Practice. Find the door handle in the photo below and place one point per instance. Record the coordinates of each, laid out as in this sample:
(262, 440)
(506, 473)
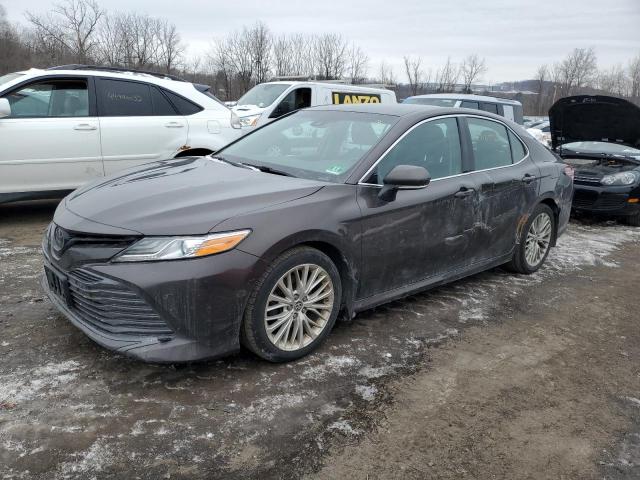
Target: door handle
(174, 125)
(85, 126)
(529, 178)
(464, 192)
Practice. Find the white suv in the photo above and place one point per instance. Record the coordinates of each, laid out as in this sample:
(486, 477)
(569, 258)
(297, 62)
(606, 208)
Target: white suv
(63, 127)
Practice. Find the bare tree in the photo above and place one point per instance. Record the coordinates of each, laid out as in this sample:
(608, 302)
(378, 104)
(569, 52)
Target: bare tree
(472, 68)
(413, 69)
(259, 40)
(634, 77)
(386, 75)
(541, 77)
(72, 24)
(577, 71)
(331, 55)
(447, 77)
(170, 46)
(357, 64)
(615, 80)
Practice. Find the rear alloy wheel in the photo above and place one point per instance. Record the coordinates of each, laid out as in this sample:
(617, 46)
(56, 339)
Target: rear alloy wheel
(535, 243)
(294, 306)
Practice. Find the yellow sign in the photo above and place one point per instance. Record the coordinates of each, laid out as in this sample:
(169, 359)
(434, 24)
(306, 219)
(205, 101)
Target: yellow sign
(340, 98)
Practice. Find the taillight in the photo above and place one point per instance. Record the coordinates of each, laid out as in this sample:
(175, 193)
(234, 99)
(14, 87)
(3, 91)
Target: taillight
(569, 171)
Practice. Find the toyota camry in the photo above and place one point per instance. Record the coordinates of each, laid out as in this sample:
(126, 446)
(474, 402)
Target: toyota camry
(327, 211)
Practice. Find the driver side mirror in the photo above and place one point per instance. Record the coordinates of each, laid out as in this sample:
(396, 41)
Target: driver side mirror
(5, 108)
(405, 177)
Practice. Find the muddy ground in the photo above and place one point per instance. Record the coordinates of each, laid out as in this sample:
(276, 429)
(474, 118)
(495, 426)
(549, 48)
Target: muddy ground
(497, 376)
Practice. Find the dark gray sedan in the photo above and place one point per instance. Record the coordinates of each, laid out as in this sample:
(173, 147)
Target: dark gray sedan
(328, 210)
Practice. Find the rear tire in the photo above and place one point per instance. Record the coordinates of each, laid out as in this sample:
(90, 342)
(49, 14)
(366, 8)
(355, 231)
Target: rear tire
(535, 242)
(293, 307)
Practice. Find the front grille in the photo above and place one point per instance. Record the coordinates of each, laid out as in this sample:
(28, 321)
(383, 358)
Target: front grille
(584, 198)
(613, 200)
(604, 201)
(112, 307)
(61, 240)
(586, 179)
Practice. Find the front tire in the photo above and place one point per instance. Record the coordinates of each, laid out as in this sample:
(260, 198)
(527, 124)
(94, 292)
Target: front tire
(535, 243)
(293, 306)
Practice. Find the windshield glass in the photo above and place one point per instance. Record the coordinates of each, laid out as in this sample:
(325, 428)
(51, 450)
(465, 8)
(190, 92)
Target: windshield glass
(9, 77)
(601, 147)
(437, 102)
(263, 95)
(317, 145)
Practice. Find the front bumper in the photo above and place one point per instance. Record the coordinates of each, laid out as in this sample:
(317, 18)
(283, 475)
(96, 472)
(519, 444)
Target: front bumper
(606, 200)
(161, 312)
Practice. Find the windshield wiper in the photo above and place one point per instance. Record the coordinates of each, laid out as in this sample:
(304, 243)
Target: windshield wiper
(274, 171)
(235, 164)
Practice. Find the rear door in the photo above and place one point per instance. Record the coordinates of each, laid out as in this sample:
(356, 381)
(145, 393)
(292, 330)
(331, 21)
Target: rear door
(422, 233)
(138, 122)
(510, 188)
(51, 141)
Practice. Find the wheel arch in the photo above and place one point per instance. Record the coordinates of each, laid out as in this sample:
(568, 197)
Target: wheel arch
(333, 246)
(550, 202)
(194, 152)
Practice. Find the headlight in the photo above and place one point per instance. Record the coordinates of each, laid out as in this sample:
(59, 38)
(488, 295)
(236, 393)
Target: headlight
(249, 121)
(622, 178)
(175, 248)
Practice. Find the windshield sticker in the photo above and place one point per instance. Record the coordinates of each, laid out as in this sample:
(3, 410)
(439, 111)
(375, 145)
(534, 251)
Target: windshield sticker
(335, 170)
(340, 98)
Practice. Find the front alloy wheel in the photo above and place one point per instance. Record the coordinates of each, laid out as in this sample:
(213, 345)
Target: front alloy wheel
(299, 307)
(293, 307)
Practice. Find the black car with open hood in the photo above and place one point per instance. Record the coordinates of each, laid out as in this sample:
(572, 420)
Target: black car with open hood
(600, 137)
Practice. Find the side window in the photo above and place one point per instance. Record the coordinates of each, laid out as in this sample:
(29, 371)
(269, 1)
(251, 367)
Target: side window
(120, 98)
(55, 98)
(469, 104)
(184, 106)
(517, 148)
(490, 142)
(295, 100)
(161, 105)
(489, 107)
(434, 145)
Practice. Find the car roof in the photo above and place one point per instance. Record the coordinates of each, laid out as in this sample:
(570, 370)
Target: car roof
(334, 85)
(468, 96)
(124, 75)
(395, 109)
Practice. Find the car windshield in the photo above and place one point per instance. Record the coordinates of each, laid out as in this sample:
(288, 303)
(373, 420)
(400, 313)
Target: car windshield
(602, 147)
(9, 77)
(263, 95)
(317, 145)
(437, 102)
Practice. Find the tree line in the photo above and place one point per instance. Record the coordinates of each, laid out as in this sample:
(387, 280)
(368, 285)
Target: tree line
(81, 31)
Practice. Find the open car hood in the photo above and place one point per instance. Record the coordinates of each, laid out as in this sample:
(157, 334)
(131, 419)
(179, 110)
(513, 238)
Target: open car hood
(594, 118)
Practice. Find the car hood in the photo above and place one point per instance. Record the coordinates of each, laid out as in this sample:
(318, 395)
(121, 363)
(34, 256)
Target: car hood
(247, 110)
(185, 196)
(595, 118)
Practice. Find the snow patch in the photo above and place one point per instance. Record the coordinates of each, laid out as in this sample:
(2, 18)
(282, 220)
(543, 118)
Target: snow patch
(367, 392)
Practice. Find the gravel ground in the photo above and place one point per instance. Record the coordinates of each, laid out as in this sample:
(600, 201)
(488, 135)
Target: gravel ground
(495, 376)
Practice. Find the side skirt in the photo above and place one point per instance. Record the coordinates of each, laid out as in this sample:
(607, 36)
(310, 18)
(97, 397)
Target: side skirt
(428, 283)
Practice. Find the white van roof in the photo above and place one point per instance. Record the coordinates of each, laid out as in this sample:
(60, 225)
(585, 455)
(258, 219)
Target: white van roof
(469, 96)
(335, 86)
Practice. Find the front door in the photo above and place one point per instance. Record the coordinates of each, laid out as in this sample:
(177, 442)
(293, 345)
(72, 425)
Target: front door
(139, 124)
(51, 140)
(422, 233)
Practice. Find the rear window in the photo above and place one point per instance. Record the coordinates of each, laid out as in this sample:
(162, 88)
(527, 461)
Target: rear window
(184, 106)
(436, 102)
(120, 98)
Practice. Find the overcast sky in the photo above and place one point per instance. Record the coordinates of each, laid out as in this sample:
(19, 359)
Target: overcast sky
(515, 36)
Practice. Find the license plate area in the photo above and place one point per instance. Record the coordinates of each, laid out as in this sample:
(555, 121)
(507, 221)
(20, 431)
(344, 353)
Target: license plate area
(58, 284)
